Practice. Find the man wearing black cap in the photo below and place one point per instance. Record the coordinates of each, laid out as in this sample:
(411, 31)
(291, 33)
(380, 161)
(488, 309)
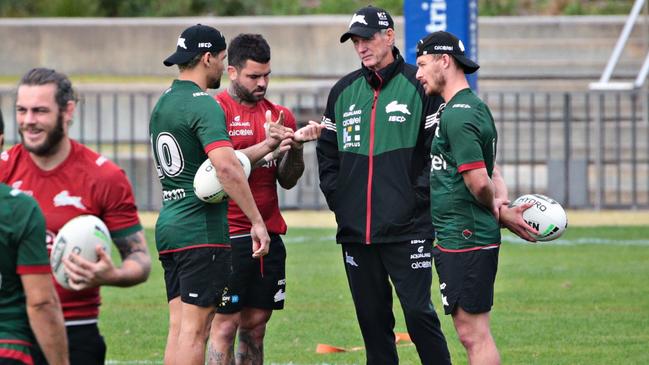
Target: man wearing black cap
(468, 194)
(187, 127)
(374, 163)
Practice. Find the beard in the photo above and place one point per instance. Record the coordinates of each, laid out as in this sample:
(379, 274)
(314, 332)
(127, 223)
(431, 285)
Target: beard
(52, 140)
(246, 95)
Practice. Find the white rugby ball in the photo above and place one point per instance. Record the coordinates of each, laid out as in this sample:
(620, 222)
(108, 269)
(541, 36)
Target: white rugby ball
(546, 215)
(80, 235)
(207, 186)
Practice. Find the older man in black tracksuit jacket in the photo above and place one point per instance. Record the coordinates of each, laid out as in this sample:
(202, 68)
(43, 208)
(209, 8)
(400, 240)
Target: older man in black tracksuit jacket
(374, 166)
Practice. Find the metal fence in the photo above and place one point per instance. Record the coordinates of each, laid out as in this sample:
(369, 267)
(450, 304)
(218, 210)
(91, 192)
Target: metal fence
(587, 150)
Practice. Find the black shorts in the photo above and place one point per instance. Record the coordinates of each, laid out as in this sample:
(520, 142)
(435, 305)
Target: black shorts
(259, 283)
(85, 345)
(466, 279)
(198, 275)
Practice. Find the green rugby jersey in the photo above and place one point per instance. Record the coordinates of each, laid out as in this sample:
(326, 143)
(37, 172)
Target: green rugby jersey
(185, 125)
(465, 139)
(22, 251)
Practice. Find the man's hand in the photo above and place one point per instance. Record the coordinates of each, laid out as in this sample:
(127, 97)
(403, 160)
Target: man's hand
(84, 274)
(276, 132)
(498, 202)
(309, 132)
(512, 219)
(260, 240)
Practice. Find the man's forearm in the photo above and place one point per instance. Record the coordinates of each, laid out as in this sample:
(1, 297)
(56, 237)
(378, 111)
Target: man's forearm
(46, 321)
(291, 168)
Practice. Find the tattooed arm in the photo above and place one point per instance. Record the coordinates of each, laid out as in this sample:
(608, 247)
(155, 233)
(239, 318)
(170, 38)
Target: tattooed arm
(291, 167)
(136, 265)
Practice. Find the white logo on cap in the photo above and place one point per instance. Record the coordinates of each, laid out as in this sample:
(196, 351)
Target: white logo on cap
(357, 19)
(181, 42)
(382, 15)
(461, 45)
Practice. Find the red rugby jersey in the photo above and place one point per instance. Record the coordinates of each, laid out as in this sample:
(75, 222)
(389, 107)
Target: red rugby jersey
(246, 128)
(85, 183)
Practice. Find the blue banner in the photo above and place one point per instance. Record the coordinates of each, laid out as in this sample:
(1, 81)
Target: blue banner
(459, 17)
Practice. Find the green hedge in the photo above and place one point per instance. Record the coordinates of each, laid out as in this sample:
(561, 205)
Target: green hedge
(135, 8)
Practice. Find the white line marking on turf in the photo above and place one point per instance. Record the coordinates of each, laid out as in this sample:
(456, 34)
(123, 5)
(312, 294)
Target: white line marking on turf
(580, 241)
(510, 240)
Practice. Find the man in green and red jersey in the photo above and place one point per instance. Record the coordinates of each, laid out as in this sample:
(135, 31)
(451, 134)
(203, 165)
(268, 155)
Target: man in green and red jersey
(374, 166)
(468, 196)
(68, 179)
(188, 126)
(29, 306)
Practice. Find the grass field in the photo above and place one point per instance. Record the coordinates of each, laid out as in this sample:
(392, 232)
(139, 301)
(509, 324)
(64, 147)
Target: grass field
(581, 300)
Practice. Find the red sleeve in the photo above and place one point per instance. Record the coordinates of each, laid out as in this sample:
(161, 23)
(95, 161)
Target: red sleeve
(119, 211)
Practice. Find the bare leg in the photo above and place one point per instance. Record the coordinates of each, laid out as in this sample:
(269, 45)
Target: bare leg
(175, 313)
(194, 328)
(475, 335)
(251, 336)
(222, 333)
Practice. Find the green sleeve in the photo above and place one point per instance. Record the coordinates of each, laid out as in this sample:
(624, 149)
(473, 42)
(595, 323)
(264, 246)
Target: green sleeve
(209, 124)
(31, 234)
(464, 138)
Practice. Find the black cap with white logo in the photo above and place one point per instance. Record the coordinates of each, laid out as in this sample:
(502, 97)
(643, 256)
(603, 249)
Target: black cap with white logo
(195, 40)
(441, 42)
(367, 21)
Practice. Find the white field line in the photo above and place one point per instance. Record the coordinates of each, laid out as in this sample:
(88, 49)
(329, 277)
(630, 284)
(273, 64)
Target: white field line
(509, 239)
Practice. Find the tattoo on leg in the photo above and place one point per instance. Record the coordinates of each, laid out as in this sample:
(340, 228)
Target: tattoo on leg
(253, 352)
(215, 357)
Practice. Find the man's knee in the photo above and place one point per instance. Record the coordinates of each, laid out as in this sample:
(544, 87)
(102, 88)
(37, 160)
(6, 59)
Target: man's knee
(224, 328)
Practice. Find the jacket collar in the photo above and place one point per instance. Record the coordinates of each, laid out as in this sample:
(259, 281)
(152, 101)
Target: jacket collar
(381, 77)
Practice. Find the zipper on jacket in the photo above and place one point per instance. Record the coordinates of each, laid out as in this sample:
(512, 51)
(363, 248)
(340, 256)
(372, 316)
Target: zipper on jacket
(370, 173)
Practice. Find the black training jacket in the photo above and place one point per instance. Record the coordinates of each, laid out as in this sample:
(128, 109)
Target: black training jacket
(374, 155)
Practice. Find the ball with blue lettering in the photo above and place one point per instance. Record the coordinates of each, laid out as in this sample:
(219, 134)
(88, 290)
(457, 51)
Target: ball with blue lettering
(546, 215)
(207, 186)
(80, 235)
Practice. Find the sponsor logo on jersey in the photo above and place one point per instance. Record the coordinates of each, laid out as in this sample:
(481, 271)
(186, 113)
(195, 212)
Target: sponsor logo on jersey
(240, 132)
(350, 260)
(420, 254)
(437, 163)
(416, 242)
(467, 234)
(421, 265)
(357, 19)
(174, 194)
(461, 106)
(181, 42)
(394, 106)
(200, 93)
(100, 160)
(445, 300)
(64, 199)
(279, 296)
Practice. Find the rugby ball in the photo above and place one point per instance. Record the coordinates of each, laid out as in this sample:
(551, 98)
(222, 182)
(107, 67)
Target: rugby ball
(546, 215)
(80, 235)
(207, 186)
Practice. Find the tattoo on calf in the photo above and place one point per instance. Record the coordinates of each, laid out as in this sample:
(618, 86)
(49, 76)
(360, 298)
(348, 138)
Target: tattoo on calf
(253, 353)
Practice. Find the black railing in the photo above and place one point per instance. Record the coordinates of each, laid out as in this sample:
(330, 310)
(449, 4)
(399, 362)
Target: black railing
(585, 149)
